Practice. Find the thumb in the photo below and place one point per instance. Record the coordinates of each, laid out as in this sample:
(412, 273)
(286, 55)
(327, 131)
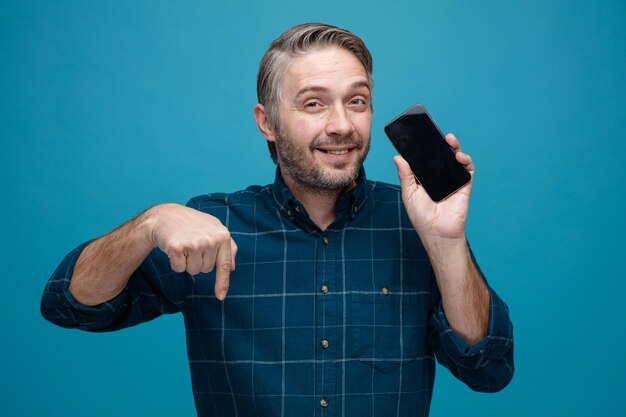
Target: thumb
(407, 179)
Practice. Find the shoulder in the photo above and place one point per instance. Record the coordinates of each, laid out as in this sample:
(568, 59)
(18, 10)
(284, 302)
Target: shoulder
(386, 202)
(209, 202)
(382, 191)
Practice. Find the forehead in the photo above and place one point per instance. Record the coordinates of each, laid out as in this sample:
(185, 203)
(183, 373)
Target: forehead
(327, 67)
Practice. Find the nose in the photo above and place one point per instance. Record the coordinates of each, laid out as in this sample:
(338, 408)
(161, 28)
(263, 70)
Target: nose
(339, 122)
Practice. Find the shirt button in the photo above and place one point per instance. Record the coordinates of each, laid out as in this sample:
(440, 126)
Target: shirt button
(297, 209)
(385, 291)
(324, 344)
(289, 213)
(325, 240)
(324, 402)
(324, 289)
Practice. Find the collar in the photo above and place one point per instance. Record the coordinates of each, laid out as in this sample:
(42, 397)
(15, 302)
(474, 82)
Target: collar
(347, 207)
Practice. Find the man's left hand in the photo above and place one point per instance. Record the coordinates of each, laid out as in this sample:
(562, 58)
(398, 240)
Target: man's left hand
(445, 219)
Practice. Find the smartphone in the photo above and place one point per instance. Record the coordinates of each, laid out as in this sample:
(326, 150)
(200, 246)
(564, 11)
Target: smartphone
(418, 139)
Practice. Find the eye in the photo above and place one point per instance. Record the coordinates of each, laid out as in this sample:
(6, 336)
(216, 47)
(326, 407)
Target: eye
(358, 103)
(312, 106)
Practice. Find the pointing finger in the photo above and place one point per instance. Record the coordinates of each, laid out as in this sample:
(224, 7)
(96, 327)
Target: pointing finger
(233, 252)
(224, 265)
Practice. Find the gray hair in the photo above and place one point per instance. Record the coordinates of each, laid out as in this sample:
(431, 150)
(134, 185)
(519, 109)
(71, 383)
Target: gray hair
(295, 42)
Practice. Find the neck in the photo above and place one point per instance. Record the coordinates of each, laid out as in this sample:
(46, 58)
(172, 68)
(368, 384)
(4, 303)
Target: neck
(319, 202)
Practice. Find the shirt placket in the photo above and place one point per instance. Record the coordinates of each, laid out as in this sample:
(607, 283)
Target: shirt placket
(327, 334)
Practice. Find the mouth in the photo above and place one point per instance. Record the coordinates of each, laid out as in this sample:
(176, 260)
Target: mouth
(336, 155)
(334, 152)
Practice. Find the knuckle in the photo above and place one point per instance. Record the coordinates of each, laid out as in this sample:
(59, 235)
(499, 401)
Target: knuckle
(174, 248)
(194, 245)
(225, 265)
(223, 234)
(210, 241)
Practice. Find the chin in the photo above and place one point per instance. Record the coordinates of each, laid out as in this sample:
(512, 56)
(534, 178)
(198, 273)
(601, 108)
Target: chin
(338, 179)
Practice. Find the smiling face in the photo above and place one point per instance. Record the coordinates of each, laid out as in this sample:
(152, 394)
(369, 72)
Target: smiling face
(324, 118)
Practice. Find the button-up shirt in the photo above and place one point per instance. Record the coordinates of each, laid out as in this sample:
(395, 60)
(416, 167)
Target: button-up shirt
(345, 321)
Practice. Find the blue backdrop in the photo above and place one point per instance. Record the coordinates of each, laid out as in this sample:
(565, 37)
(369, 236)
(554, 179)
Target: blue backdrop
(107, 107)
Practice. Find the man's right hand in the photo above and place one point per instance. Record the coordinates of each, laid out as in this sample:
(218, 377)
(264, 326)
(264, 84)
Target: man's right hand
(194, 242)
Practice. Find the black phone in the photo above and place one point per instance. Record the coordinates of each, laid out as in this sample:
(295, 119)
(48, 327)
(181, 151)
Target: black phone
(418, 139)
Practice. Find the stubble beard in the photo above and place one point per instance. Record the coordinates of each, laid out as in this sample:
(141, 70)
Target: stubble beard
(306, 173)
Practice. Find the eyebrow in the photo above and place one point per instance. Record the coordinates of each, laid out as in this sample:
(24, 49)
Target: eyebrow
(314, 88)
(320, 89)
(360, 84)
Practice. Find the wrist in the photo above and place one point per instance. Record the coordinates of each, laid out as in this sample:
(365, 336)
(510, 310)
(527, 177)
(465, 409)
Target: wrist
(443, 242)
(442, 249)
(146, 225)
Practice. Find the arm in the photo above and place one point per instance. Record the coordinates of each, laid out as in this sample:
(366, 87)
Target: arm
(193, 241)
(441, 227)
(486, 366)
(105, 266)
(139, 271)
(464, 295)
(471, 334)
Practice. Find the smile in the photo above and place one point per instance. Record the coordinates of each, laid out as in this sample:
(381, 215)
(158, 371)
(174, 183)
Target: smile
(336, 150)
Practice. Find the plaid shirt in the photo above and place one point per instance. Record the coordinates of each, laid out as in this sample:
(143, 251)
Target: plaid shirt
(345, 321)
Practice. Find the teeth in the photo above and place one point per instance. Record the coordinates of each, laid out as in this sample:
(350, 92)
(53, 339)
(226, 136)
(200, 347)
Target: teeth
(341, 152)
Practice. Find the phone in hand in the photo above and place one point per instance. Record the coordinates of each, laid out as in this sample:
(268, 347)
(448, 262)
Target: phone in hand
(420, 142)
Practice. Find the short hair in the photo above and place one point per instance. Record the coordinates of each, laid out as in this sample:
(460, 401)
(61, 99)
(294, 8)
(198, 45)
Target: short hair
(295, 42)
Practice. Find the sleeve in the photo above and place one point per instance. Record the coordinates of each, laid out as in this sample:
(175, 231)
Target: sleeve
(486, 366)
(152, 290)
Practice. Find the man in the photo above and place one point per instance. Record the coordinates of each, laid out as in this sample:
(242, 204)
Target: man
(336, 306)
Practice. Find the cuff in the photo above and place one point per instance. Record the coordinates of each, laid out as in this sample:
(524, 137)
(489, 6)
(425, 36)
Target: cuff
(59, 306)
(494, 346)
(119, 301)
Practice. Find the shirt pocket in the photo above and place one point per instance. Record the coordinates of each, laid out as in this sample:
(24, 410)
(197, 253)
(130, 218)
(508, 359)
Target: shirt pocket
(388, 321)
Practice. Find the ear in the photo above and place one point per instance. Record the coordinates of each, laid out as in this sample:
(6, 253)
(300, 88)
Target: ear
(263, 122)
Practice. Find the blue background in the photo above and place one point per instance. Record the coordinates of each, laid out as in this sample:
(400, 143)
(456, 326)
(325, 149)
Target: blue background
(109, 107)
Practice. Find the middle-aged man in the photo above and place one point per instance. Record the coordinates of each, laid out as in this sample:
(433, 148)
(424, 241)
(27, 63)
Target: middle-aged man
(345, 290)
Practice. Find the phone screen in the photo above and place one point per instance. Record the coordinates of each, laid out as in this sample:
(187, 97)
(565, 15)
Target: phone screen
(432, 160)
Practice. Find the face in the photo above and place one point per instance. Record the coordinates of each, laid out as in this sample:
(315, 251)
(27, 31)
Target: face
(325, 119)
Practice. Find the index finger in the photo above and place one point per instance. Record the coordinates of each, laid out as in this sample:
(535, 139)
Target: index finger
(223, 266)
(453, 142)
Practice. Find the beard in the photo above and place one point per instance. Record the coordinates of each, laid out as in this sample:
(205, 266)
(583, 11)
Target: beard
(299, 164)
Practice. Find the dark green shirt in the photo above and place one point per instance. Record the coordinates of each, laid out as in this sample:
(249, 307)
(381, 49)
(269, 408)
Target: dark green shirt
(341, 322)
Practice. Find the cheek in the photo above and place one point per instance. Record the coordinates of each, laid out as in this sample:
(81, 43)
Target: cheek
(307, 129)
(364, 124)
